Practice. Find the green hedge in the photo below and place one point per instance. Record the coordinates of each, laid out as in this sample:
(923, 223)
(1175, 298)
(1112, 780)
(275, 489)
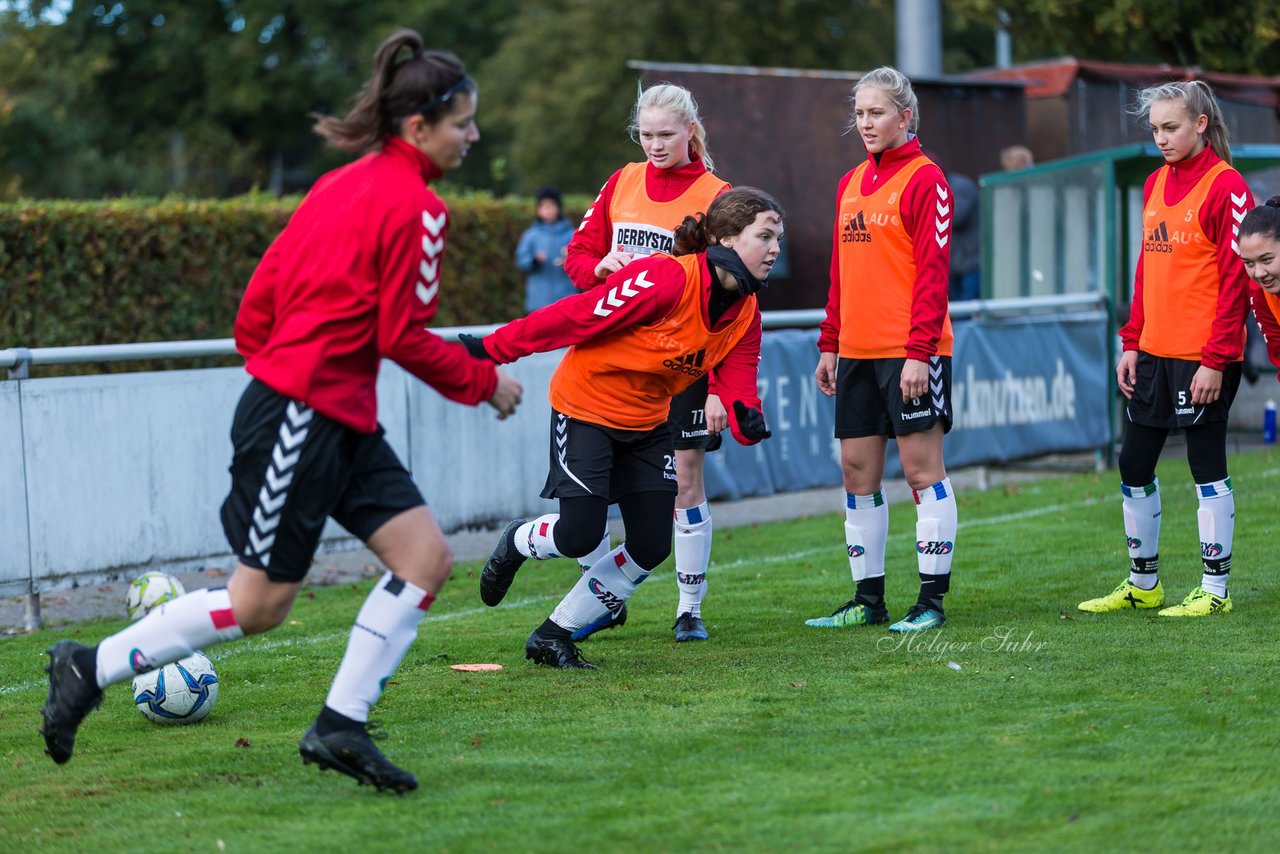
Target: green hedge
(74, 273)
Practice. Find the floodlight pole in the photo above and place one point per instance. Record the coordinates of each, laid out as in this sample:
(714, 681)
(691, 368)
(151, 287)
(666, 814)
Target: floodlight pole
(919, 37)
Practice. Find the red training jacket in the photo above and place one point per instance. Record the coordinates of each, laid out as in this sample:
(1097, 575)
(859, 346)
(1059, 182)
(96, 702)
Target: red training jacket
(1229, 191)
(932, 259)
(586, 316)
(1264, 314)
(594, 237)
(354, 278)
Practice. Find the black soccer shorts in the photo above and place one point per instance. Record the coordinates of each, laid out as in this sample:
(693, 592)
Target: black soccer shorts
(688, 419)
(869, 399)
(1162, 393)
(590, 459)
(292, 469)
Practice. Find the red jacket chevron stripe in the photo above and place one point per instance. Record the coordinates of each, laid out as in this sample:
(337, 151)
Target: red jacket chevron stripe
(355, 278)
(643, 300)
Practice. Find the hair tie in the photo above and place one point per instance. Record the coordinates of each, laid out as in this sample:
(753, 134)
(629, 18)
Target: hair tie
(1273, 202)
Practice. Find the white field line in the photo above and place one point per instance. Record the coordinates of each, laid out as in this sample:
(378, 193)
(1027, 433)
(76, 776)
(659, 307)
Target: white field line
(968, 523)
(267, 644)
(252, 646)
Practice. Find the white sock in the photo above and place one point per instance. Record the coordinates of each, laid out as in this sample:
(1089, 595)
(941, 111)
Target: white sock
(866, 527)
(1216, 518)
(383, 632)
(1142, 529)
(601, 589)
(935, 539)
(177, 628)
(693, 556)
(589, 559)
(536, 539)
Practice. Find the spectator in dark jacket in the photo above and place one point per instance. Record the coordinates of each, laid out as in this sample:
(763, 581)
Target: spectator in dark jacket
(966, 239)
(540, 253)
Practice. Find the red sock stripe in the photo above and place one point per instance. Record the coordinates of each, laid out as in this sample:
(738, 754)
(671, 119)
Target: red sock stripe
(543, 528)
(223, 618)
(426, 601)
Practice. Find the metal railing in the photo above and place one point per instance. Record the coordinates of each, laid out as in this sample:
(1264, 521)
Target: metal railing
(19, 360)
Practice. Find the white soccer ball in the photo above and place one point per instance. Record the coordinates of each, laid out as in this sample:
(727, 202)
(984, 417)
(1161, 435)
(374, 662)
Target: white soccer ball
(149, 590)
(180, 693)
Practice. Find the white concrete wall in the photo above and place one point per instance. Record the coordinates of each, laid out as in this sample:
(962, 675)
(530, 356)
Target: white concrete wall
(13, 515)
(125, 471)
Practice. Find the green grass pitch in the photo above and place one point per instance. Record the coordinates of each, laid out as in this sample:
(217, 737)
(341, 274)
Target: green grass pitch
(1022, 725)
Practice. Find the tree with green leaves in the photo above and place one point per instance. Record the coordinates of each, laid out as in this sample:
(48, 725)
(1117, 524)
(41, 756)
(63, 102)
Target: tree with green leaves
(561, 90)
(1240, 36)
(147, 97)
(204, 98)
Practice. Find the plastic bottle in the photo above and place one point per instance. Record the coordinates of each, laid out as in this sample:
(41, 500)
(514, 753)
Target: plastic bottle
(1269, 423)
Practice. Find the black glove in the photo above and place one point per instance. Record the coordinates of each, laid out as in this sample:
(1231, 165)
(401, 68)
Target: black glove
(750, 421)
(475, 346)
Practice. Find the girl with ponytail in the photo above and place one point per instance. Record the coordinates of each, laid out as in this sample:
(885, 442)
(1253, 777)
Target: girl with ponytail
(1183, 344)
(354, 278)
(649, 332)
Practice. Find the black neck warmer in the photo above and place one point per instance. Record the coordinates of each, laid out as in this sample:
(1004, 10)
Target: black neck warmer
(726, 259)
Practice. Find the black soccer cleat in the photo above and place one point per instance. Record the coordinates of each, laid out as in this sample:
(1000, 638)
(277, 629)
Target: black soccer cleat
(352, 752)
(555, 652)
(500, 570)
(72, 695)
(690, 628)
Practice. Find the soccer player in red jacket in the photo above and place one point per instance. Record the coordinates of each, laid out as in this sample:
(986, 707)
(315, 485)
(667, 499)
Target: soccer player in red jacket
(353, 278)
(1260, 252)
(651, 330)
(1183, 345)
(635, 215)
(885, 350)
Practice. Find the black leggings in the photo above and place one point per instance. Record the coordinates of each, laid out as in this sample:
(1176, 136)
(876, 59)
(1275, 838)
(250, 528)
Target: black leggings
(646, 515)
(1206, 452)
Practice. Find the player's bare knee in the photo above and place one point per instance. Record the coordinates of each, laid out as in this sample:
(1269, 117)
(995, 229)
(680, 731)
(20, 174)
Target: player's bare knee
(429, 570)
(261, 617)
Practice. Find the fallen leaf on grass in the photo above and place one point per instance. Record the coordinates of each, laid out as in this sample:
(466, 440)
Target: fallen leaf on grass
(799, 684)
(243, 742)
(1064, 615)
